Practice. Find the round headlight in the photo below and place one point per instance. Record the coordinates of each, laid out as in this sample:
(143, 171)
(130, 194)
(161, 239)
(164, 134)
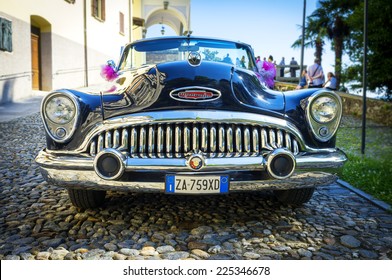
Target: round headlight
(324, 109)
(60, 109)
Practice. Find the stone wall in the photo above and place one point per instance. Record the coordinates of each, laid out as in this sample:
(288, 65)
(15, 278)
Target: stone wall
(378, 111)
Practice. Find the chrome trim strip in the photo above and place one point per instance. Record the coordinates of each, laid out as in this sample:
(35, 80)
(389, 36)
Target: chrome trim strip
(151, 142)
(264, 139)
(100, 143)
(133, 146)
(124, 140)
(116, 139)
(255, 139)
(160, 140)
(238, 140)
(247, 141)
(279, 139)
(229, 138)
(187, 138)
(204, 138)
(222, 142)
(272, 138)
(177, 140)
(213, 140)
(93, 148)
(288, 141)
(142, 142)
(108, 139)
(195, 138)
(169, 142)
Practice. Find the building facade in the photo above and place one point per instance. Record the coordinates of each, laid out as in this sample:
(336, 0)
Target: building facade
(49, 44)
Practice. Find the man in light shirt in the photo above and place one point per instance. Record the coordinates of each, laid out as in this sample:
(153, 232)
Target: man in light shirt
(316, 74)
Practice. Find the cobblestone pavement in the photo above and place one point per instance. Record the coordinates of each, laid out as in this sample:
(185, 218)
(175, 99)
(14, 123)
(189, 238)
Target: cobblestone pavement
(37, 221)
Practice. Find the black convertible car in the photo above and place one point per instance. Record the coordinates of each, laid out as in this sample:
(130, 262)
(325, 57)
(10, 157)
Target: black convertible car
(189, 115)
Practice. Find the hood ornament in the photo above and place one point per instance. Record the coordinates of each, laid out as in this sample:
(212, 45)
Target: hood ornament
(194, 58)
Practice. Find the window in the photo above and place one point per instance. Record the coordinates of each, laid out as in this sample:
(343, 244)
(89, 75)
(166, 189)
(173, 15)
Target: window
(122, 30)
(98, 9)
(5, 35)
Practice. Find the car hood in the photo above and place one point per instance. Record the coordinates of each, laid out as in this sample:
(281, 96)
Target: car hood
(156, 87)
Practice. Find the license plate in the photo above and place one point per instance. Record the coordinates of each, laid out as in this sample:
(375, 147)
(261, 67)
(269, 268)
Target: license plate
(211, 184)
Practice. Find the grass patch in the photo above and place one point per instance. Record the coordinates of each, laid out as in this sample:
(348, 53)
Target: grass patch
(370, 172)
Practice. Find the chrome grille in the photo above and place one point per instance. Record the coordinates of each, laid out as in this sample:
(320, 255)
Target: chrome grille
(176, 140)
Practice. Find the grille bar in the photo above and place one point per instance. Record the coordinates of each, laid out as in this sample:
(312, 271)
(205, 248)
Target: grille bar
(170, 140)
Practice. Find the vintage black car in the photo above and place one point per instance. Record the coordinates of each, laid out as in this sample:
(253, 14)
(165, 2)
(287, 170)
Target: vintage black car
(189, 115)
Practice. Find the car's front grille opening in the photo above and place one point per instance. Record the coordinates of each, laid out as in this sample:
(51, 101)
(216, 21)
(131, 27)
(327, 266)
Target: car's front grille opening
(176, 140)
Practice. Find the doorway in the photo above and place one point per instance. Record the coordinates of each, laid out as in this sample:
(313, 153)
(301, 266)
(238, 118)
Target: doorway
(41, 53)
(35, 59)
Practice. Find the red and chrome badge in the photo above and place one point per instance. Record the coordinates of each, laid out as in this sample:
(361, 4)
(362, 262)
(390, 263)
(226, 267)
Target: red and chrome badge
(195, 94)
(195, 162)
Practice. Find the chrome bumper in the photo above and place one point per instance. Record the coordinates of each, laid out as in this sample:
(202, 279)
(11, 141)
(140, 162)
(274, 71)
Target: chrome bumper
(80, 171)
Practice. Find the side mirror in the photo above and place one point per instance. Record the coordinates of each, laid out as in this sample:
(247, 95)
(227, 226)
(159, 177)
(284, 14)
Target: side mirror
(108, 71)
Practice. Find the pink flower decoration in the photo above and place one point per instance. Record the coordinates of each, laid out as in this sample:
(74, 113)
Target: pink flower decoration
(108, 72)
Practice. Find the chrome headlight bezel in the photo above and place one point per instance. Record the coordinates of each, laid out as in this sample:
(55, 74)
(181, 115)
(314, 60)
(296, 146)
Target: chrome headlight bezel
(324, 112)
(61, 127)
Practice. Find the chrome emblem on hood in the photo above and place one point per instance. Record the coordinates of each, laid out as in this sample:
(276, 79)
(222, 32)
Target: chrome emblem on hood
(195, 94)
(194, 58)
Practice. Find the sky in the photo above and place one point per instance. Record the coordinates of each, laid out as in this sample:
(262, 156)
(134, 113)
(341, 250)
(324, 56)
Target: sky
(269, 26)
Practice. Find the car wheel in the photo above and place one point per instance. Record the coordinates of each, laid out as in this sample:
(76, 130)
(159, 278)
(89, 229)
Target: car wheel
(86, 198)
(295, 196)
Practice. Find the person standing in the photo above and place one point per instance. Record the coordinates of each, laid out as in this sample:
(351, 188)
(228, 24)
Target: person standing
(316, 74)
(268, 72)
(242, 62)
(293, 67)
(281, 67)
(259, 64)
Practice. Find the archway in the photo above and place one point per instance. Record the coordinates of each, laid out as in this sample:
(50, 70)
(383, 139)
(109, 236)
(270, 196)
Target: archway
(41, 53)
(169, 15)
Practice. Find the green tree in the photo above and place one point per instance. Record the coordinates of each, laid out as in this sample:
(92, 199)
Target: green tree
(314, 38)
(379, 69)
(329, 21)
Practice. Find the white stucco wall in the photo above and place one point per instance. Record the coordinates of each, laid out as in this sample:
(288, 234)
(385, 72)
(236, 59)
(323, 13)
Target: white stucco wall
(62, 54)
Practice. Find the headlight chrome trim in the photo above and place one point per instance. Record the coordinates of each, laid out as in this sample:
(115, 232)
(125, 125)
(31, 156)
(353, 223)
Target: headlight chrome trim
(52, 127)
(324, 130)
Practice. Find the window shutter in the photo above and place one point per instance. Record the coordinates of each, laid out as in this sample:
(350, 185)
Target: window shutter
(5, 35)
(103, 9)
(122, 31)
(94, 7)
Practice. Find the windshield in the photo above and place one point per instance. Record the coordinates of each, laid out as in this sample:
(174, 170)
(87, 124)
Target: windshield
(178, 49)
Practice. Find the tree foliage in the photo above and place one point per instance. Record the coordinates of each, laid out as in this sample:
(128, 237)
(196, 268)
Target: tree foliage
(379, 66)
(342, 23)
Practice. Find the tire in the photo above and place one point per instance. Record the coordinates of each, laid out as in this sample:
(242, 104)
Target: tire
(86, 198)
(294, 196)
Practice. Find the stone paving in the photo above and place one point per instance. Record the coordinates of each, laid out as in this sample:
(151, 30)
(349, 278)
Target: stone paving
(37, 221)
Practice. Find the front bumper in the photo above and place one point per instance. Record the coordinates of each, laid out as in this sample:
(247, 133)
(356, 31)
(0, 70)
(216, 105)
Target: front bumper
(81, 172)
